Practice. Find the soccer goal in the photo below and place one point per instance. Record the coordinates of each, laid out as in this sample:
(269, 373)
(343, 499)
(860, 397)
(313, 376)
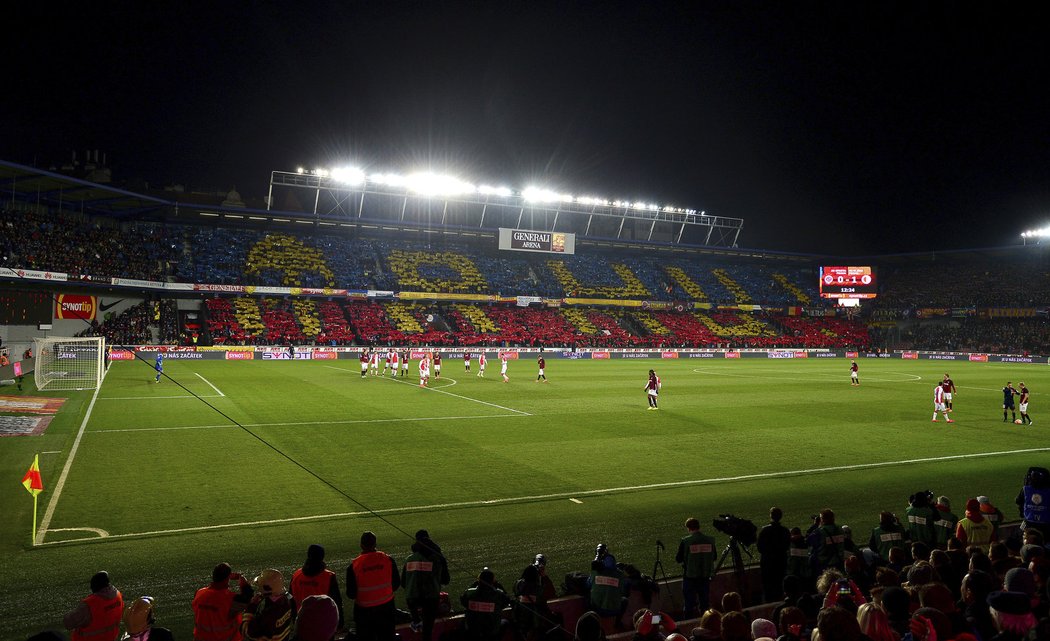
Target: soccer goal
(69, 363)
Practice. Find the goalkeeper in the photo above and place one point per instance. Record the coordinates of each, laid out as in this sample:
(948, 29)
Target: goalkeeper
(159, 366)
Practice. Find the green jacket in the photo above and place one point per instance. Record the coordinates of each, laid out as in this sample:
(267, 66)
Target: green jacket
(485, 605)
(829, 554)
(920, 524)
(608, 588)
(944, 526)
(696, 553)
(883, 540)
(421, 577)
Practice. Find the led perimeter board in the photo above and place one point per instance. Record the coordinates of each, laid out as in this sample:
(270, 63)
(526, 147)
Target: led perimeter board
(848, 282)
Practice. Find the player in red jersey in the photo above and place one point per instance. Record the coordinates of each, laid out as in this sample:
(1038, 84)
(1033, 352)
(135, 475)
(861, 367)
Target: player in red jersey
(395, 360)
(938, 404)
(652, 389)
(437, 365)
(542, 363)
(375, 363)
(949, 389)
(854, 375)
(424, 371)
(364, 362)
(481, 364)
(466, 362)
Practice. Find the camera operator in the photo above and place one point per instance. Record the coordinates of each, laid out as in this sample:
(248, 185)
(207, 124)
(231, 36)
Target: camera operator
(889, 534)
(608, 589)
(696, 553)
(774, 543)
(1032, 501)
(921, 517)
(827, 540)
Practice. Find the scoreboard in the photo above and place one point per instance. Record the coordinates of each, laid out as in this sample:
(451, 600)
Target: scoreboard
(848, 282)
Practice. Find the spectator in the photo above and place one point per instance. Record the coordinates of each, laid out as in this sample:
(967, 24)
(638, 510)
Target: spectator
(974, 528)
(1012, 614)
(608, 590)
(371, 579)
(138, 622)
(318, 619)
(735, 627)
(314, 577)
(271, 614)
(97, 617)
(874, 623)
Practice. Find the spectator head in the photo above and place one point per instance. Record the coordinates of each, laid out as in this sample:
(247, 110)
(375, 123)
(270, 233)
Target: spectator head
(1020, 580)
(976, 586)
(827, 517)
(763, 628)
(221, 573)
(998, 551)
(1030, 551)
(735, 627)
(920, 551)
(973, 506)
(1011, 611)
(138, 617)
(589, 628)
(792, 585)
(896, 602)
(920, 573)
(368, 541)
(712, 620)
(317, 619)
(1033, 536)
(874, 623)
(100, 581)
(887, 520)
(938, 597)
(731, 602)
(941, 623)
(887, 577)
(315, 553)
(838, 624)
(827, 579)
(980, 561)
(692, 524)
(897, 556)
(792, 621)
(775, 514)
(944, 502)
(487, 577)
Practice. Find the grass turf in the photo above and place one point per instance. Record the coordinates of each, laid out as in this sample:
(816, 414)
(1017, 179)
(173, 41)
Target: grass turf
(497, 472)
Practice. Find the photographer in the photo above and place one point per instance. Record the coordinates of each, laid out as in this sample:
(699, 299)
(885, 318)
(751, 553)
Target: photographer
(828, 541)
(921, 517)
(889, 534)
(608, 589)
(774, 543)
(696, 553)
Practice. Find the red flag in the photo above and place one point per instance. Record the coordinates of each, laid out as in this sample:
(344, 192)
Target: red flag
(32, 482)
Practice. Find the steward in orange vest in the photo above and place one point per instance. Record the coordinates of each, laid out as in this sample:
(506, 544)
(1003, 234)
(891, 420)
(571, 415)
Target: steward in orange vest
(314, 578)
(97, 618)
(371, 580)
(217, 609)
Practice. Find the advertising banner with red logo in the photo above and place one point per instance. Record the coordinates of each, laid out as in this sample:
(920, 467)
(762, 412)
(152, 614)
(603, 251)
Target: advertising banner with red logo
(983, 358)
(732, 354)
(911, 355)
(121, 355)
(325, 355)
(240, 356)
(852, 354)
(600, 355)
(417, 354)
(75, 306)
(668, 354)
(801, 354)
(511, 356)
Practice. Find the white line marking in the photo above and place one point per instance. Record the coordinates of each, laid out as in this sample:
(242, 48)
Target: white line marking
(564, 495)
(347, 422)
(821, 377)
(52, 452)
(440, 391)
(217, 390)
(53, 503)
(100, 532)
(576, 501)
(154, 398)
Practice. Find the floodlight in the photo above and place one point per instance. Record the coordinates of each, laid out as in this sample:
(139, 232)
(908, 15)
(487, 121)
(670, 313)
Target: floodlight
(1036, 233)
(348, 175)
(299, 170)
(504, 192)
(323, 173)
(430, 184)
(536, 194)
(392, 180)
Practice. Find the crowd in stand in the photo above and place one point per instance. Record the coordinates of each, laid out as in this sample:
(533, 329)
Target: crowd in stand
(931, 575)
(991, 336)
(133, 326)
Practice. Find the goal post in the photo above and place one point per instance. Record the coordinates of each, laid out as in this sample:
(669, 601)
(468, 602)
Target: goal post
(69, 363)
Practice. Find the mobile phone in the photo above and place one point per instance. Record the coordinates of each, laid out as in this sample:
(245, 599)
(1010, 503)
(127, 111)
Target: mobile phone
(656, 618)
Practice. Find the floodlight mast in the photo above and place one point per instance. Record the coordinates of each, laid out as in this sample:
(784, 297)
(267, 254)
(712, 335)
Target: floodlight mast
(339, 194)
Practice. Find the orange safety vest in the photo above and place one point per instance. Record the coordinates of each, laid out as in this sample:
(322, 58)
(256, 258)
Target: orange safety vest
(105, 619)
(372, 571)
(211, 616)
(304, 586)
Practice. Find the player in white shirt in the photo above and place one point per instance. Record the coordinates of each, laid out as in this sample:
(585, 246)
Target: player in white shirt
(394, 359)
(503, 367)
(424, 371)
(481, 364)
(466, 362)
(938, 404)
(375, 363)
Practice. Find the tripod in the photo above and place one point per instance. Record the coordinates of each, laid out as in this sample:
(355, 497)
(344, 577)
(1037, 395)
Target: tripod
(659, 573)
(734, 548)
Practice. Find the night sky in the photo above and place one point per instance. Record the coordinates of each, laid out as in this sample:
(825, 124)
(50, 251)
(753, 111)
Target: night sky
(835, 127)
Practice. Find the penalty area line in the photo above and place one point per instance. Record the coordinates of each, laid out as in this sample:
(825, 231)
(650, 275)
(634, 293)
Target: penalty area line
(546, 497)
(217, 390)
(299, 423)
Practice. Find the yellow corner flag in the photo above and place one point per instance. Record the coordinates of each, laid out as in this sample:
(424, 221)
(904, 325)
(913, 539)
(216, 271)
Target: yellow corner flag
(31, 480)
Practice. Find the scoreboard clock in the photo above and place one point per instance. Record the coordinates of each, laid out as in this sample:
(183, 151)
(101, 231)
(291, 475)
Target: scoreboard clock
(848, 282)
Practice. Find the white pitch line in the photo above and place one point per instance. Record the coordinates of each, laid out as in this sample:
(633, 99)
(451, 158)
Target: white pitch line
(347, 422)
(440, 391)
(558, 495)
(217, 390)
(154, 398)
(52, 452)
(53, 503)
(575, 500)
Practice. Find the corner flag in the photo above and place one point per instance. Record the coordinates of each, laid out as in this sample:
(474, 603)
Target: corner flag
(32, 482)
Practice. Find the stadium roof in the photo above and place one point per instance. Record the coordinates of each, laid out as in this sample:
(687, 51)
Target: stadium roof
(31, 186)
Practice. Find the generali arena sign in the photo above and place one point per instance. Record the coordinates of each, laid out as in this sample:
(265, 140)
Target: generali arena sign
(75, 306)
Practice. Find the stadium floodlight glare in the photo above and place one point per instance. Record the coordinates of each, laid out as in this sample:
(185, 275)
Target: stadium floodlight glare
(300, 170)
(592, 200)
(322, 172)
(537, 194)
(1036, 233)
(391, 180)
(348, 175)
(430, 184)
(503, 192)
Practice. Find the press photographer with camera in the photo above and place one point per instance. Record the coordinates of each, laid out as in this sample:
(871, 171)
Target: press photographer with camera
(696, 553)
(921, 517)
(608, 589)
(828, 541)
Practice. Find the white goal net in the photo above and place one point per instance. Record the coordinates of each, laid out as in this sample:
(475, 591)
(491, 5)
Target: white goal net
(69, 363)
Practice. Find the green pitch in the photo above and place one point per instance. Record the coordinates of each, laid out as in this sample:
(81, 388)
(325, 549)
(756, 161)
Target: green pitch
(162, 485)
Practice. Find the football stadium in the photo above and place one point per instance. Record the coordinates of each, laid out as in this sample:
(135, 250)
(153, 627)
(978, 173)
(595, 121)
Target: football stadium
(541, 321)
(220, 384)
